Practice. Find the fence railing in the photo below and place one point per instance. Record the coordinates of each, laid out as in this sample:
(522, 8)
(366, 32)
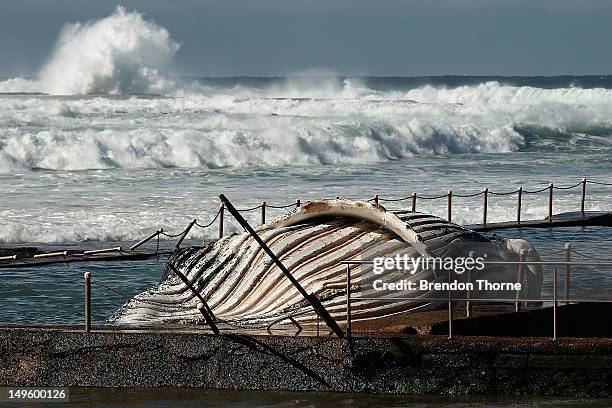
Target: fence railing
(567, 264)
(520, 192)
(449, 196)
(468, 300)
(413, 198)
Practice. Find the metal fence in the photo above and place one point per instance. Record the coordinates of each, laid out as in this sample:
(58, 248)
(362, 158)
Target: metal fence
(219, 216)
(451, 300)
(567, 263)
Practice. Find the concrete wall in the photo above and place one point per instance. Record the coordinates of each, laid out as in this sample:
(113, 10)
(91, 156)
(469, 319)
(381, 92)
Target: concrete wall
(412, 364)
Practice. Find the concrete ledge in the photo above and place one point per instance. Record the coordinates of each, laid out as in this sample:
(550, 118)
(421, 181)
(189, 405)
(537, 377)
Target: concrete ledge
(412, 364)
(574, 320)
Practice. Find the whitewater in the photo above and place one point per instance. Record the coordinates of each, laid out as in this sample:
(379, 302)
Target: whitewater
(106, 144)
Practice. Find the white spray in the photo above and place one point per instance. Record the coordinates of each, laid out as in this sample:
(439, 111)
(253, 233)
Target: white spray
(122, 53)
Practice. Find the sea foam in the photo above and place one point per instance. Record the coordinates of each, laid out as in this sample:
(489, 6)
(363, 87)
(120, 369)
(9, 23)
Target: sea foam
(248, 127)
(122, 53)
(313, 118)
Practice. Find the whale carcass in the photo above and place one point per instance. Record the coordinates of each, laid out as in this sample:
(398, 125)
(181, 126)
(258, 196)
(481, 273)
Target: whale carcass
(244, 287)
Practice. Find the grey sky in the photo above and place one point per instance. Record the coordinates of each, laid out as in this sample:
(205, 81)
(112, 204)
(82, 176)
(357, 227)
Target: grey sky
(352, 37)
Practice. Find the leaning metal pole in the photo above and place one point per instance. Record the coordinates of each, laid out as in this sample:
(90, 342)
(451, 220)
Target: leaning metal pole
(310, 298)
(206, 311)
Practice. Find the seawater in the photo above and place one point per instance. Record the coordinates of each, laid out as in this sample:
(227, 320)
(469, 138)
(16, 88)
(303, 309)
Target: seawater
(107, 144)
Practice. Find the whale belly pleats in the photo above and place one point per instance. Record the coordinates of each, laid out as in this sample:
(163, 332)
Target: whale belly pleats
(243, 286)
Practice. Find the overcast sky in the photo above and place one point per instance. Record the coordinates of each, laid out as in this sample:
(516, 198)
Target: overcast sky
(350, 37)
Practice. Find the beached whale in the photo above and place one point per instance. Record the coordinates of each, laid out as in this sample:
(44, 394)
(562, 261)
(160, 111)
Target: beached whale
(244, 287)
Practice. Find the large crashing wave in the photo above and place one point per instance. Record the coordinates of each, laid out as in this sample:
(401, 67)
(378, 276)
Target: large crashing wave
(238, 127)
(122, 53)
(118, 54)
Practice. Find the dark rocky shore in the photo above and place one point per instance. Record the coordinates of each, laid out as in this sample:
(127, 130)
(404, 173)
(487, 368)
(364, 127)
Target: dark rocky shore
(416, 364)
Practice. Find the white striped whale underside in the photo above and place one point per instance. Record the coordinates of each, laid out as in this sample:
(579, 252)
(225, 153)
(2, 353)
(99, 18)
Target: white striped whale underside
(244, 287)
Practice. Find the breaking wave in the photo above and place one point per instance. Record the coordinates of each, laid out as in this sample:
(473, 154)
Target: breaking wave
(307, 119)
(120, 54)
(344, 123)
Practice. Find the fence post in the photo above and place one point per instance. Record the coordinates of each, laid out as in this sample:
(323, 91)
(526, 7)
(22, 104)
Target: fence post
(184, 234)
(566, 281)
(450, 206)
(584, 183)
(550, 202)
(519, 279)
(87, 280)
(555, 304)
(414, 196)
(450, 308)
(298, 203)
(485, 207)
(468, 304)
(376, 199)
(520, 202)
(468, 295)
(263, 213)
(348, 300)
(142, 241)
(102, 251)
(221, 211)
